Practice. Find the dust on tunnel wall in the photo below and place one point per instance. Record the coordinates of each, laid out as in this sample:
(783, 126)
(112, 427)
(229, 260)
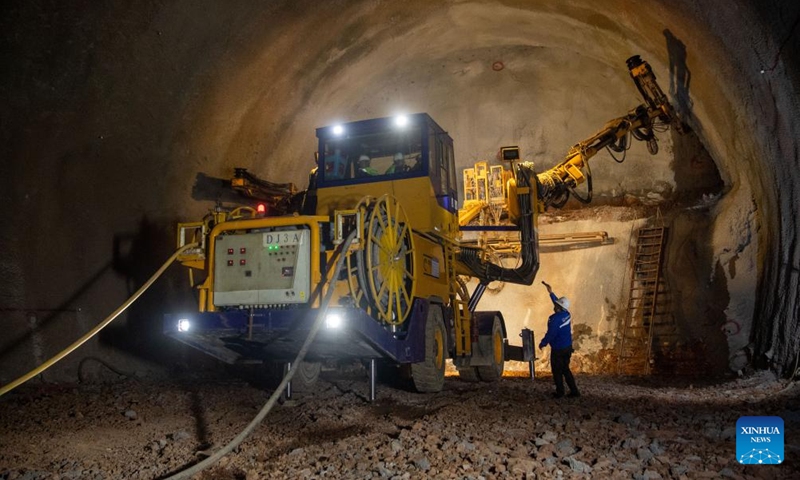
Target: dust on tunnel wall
(115, 108)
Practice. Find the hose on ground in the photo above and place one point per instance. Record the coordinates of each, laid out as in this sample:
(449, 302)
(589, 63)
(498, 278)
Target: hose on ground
(63, 353)
(286, 379)
(102, 362)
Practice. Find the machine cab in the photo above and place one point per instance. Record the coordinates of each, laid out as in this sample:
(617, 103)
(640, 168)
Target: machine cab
(363, 156)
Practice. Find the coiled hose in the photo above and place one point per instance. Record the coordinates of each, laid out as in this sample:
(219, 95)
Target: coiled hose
(63, 353)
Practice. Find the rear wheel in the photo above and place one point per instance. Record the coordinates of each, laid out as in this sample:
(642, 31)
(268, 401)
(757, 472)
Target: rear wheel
(428, 375)
(493, 372)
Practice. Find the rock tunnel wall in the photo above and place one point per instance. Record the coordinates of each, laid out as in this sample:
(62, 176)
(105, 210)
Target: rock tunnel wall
(111, 110)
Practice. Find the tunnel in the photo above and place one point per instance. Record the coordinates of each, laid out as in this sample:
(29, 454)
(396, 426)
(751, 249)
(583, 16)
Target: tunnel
(112, 113)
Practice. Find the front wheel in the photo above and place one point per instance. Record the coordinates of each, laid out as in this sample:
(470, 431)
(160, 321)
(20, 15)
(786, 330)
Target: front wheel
(493, 372)
(428, 375)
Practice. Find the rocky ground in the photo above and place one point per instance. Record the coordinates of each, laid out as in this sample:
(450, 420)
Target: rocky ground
(619, 428)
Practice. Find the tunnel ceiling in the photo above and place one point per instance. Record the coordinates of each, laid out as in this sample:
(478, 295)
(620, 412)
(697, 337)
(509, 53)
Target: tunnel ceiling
(145, 95)
(563, 76)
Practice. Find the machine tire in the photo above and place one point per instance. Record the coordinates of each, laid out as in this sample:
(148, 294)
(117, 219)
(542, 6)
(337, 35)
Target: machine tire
(468, 374)
(428, 375)
(493, 372)
(306, 376)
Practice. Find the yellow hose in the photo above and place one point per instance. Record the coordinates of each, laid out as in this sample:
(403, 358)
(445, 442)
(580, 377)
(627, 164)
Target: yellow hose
(41, 368)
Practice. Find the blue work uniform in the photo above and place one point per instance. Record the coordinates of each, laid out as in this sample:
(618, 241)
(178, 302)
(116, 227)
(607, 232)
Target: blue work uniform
(559, 337)
(559, 329)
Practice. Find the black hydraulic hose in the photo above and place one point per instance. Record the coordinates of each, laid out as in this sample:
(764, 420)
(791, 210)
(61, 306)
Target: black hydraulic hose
(525, 273)
(563, 197)
(323, 309)
(588, 197)
(643, 134)
(621, 147)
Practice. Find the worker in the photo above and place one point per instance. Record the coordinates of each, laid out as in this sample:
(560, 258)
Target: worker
(559, 337)
(364, 168)
(417, 163)
(398, 164)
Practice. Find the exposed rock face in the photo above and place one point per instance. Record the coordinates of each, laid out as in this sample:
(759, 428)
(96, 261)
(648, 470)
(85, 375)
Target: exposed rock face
(111, 110)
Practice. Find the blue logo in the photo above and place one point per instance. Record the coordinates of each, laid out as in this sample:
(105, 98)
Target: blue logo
(759, 440)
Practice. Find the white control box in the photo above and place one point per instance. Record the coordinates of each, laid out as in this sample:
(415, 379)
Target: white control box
(262, 268)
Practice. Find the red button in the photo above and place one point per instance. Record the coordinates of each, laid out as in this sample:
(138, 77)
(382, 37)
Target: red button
(230, 263)
(230, 251)
(242, 250)
(242, 261)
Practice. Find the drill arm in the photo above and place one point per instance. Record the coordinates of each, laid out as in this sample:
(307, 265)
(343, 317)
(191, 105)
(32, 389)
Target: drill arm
(655, 114)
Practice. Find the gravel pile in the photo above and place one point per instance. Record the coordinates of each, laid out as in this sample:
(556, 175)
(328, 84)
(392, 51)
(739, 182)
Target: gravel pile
(619, 428)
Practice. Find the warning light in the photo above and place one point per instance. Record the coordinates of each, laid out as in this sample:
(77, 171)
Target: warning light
(261, 208)
(230, 251)
(230, 263)
(242, 261)
(242, 250)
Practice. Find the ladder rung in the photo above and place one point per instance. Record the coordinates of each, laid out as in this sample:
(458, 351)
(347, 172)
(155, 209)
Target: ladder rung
(647, 270)
(647, 257)
(646, 275)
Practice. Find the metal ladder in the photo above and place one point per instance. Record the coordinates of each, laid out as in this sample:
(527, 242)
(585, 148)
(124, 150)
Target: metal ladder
(643, 303)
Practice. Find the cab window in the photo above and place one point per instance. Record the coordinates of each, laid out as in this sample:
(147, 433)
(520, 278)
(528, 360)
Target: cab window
(375, 156)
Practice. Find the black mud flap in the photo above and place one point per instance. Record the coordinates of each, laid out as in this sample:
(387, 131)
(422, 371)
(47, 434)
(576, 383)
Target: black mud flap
(525, 353)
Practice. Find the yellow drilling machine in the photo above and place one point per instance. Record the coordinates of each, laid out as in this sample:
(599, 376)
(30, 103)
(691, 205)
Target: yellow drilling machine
(372, 247)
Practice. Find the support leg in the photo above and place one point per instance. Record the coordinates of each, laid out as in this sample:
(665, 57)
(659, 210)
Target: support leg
(288, 385)
(373, 374)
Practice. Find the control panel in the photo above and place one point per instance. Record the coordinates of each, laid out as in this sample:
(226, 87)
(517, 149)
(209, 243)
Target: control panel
(262, 268)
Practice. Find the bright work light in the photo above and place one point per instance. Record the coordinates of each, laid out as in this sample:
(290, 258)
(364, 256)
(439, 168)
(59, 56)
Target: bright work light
(333, 320)
(184, 325)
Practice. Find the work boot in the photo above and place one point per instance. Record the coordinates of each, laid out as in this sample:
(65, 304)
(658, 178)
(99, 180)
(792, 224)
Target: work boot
(558, 395)
(574, 394)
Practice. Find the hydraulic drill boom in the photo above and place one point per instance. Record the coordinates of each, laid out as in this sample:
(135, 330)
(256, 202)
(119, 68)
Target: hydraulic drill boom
(655, 114)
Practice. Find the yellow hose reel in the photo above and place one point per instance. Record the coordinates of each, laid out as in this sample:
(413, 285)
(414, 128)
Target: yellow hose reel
(381, 271)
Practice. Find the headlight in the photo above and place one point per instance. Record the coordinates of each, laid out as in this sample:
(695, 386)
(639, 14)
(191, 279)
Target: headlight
(333, 320)
(184, 325)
